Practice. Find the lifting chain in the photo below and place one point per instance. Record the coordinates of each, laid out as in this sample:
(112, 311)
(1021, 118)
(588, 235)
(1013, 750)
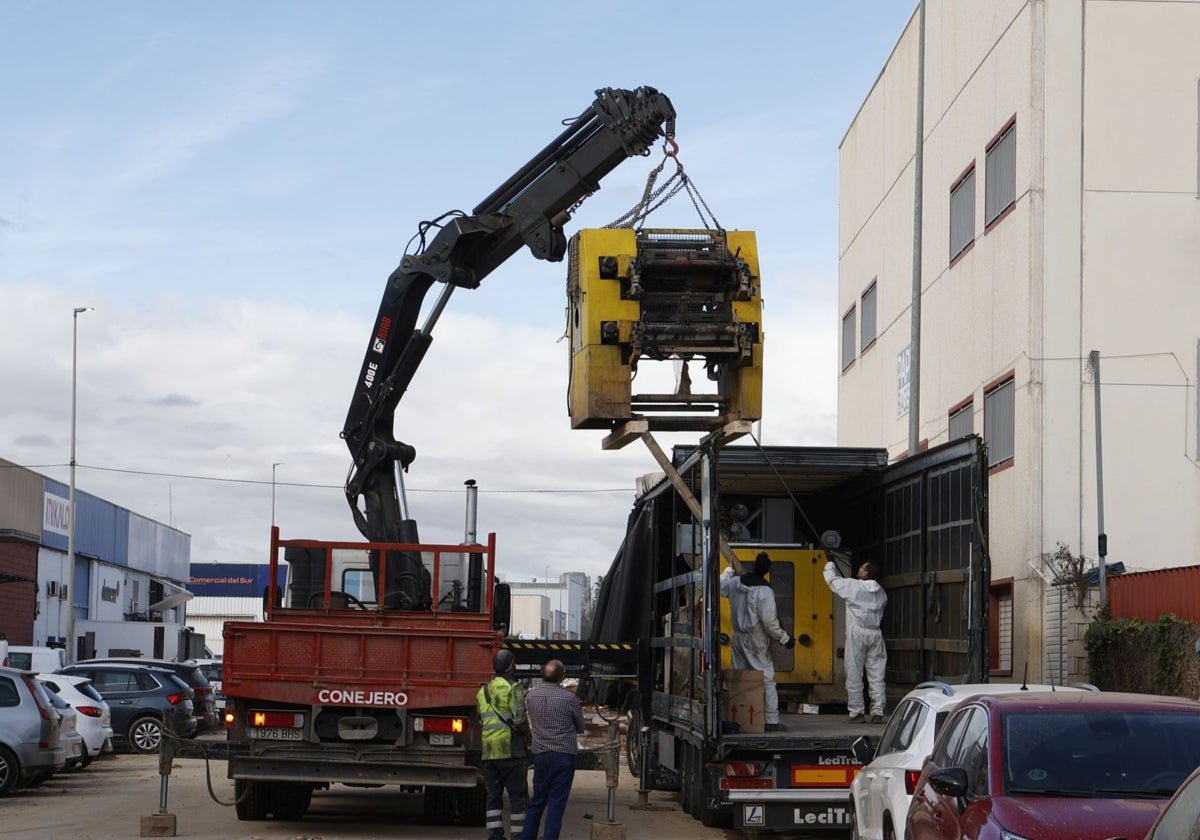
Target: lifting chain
(654, 197)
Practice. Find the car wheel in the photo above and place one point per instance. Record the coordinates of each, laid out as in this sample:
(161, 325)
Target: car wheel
(145, 735)
(86, 758)
(855, 834)
(9, 770)
(889, 833)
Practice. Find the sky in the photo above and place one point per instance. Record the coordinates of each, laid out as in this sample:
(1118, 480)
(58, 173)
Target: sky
(229, 185)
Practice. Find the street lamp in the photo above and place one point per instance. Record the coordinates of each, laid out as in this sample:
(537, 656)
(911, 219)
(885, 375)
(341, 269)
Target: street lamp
(273, 466)
(75, 313)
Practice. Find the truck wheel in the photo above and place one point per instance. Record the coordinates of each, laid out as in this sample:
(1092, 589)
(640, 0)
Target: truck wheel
(290, 800)
(683, 751)
(145, 735)
(633, 742)
(472, 805)
(252, 800)
(698, 799)
(439, 805)
(10, 770)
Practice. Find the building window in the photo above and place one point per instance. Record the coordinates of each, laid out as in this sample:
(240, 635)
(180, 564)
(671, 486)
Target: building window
(848, 339)
(1000, 629)
(999, 422)
(962, 421)
(1000, 190)
(962, 213)
(868, 316)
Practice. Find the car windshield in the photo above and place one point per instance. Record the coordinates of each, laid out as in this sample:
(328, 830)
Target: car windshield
(1098, 753)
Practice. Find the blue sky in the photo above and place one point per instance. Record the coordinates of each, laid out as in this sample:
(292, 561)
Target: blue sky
(230, 184)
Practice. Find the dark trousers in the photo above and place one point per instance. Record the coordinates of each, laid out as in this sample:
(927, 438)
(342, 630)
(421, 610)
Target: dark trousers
(553, 774)
(499, 775)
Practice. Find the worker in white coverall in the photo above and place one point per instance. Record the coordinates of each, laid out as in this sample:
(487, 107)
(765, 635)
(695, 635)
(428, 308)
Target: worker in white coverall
(755, 623)
(865, 600)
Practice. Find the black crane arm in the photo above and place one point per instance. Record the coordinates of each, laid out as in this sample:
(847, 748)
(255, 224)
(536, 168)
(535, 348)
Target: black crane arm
(529, 209)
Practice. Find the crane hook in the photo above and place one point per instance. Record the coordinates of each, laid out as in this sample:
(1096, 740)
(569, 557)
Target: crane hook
(674, 147)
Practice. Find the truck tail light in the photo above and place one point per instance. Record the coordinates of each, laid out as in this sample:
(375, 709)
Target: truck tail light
(455, 725)
(269, 719)
(230, 718)
(746, 775)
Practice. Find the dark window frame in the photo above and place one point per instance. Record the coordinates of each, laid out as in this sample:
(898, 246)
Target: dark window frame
(852, 346)
(1001, 213)
(997, 464)
(961, 182)
(872, 291)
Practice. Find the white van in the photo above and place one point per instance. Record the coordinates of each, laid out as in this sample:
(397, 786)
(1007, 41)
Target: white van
(44, 660)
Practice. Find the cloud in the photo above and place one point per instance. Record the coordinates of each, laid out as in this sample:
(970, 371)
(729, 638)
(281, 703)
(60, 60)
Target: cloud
(265, 383)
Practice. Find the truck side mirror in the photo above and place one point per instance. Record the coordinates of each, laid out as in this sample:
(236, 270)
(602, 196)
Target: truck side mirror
(501, 608)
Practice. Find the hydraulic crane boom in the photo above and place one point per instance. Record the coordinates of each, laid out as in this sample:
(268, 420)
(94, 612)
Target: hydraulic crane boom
(530, 209)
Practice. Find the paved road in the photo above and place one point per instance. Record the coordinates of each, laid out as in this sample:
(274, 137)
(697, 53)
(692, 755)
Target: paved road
(107, 800)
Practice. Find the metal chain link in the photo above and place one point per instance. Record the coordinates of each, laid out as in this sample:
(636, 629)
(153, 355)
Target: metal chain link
(653, 198)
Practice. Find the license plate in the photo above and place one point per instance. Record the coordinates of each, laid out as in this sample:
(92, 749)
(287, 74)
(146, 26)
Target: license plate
(275, 733)
(441, 739)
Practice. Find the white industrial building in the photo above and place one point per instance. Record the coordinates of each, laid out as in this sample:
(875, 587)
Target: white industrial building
(549, 609)
(1060, 207)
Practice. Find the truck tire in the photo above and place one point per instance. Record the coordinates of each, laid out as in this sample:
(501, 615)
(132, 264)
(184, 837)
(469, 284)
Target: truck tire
(472, 805)
(252, 800)
(10, 770)
(439, 805)
(633, 742)
(145, 735)
(683, 752)
(698, 798)
(289, 800)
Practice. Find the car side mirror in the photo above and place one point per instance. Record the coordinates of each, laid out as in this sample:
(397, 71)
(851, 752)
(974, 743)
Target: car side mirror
(863, 750)
(952, 781)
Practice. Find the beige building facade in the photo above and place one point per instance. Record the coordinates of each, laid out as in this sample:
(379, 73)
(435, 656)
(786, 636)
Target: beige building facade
(1061, 217)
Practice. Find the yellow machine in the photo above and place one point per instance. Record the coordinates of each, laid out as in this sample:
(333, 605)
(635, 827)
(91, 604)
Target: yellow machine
(664, 295)
(806, 611)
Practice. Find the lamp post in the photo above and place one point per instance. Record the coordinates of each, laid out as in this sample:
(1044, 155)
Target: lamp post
(273, 466)
(70, 582)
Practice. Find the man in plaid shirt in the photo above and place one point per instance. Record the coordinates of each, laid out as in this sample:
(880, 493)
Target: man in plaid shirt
(556, 717)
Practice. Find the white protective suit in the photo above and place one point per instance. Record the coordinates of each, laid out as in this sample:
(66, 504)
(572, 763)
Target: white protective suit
(865, 600)
(755, 623)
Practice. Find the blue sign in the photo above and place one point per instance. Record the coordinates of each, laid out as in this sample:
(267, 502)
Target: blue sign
(232, 580)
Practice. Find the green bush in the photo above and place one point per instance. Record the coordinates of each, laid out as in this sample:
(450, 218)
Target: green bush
(1130, 655)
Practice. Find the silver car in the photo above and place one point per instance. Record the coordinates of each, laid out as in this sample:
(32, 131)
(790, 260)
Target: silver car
(30, 751)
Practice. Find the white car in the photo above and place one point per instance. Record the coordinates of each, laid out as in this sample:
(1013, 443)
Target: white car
(881, 792)
(68, 735)
(93, 717)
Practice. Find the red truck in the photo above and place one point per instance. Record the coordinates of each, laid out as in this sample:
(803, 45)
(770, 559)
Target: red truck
(343, 685)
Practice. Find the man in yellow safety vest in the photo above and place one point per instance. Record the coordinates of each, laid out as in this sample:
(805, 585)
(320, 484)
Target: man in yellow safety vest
(506, 739)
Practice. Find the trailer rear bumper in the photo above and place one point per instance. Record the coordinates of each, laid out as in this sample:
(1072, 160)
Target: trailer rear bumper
(324, 771)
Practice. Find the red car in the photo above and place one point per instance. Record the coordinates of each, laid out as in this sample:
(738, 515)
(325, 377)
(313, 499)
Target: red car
(1068, 766)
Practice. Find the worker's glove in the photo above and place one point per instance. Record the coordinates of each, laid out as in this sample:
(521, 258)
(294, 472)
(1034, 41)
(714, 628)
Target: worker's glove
(728, 572)
(789, 644)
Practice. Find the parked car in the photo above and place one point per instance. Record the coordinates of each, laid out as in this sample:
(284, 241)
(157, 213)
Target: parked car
(1093, 766)
(141, 698)
(68, 733)
(30, 751)
(3, 651)
(36, 658)
(211, 668)
(1180, 820)
(881, 792)
(94, 721)
(192, 675)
